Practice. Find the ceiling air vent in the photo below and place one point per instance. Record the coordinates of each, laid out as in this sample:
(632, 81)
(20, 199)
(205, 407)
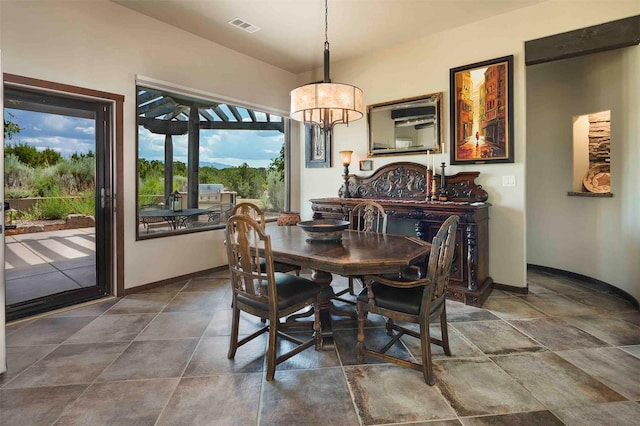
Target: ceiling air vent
(244, 25)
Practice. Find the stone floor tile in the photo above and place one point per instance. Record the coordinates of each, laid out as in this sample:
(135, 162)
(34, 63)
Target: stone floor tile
(612, 366)
(532, 418)
(218, 284)
(220, 324)
(151, 360)
(393, 394)
(167, 288)
(210, 357)
(21, 357)
(69, 364)
(605, 302)
(317, 396)
(614, 331)
(618, 413)
(633, 350)
(141, 303)
(464, 383)
(48, 330)
(557, 305)
(496, 337)
(632, 317)
(229, 399)
(90, 310)
(176, 325)
(556, 334)
(193, 301)
(511, 308)
(554, 381)
(138, 402)
(458, 312)
(460, 347)
(374, 338)
(112, 328)
(36, 406)
(309, 358)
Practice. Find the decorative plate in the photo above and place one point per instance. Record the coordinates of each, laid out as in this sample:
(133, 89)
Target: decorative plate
(324, 229)
(598, 179)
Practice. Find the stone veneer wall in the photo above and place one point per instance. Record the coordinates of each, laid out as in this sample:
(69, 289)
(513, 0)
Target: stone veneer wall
(599, 138)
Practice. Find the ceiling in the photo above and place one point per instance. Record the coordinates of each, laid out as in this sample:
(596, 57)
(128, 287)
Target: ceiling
(291, 34)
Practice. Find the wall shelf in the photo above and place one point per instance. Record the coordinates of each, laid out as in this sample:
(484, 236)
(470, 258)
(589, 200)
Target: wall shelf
(590, 194)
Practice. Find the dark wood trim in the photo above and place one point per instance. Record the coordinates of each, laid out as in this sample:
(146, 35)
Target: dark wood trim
(118, 147)
(160, 283)
(598, 38)
(511, 288)
(119, 196)
(601, 285)
(44, 84)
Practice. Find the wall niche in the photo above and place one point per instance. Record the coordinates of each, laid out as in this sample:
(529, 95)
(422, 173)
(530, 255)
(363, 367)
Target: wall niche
(592, 154)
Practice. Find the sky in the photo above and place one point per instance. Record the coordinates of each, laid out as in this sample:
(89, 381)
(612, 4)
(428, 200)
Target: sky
(230, 147)
(69, 135)
(64, 134)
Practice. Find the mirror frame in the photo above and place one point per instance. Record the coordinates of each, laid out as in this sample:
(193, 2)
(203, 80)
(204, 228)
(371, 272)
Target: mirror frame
(407, 151)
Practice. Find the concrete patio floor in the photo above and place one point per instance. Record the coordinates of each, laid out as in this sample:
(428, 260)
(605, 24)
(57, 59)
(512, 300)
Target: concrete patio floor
(44, 263)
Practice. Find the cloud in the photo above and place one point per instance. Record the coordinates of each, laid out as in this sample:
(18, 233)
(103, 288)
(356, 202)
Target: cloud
(89, 130)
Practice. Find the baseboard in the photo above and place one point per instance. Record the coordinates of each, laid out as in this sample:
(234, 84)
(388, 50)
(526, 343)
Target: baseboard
(511, 288)
(601, 285)
(160, 283)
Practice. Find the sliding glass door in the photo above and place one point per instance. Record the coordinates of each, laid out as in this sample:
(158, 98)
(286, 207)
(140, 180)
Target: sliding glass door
(57, 167)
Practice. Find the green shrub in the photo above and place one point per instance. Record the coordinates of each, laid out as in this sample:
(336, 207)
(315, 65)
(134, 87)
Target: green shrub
(61, 207)
(16, 174)
(15, 193)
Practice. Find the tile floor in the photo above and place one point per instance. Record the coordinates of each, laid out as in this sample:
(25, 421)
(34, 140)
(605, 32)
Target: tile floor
(563, 354)
(44, 263)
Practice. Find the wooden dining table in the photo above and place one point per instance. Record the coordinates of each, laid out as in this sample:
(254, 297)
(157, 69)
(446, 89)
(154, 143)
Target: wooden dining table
(356, 254)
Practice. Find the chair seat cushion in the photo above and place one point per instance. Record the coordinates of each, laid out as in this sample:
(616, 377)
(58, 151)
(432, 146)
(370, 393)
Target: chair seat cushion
(292, 290)
(405, 300)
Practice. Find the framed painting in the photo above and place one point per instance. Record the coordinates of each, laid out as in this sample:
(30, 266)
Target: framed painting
(366, 165)
(482, 112)
(318, 147)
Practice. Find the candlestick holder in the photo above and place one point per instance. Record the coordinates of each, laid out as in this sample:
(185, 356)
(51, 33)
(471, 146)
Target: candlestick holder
(442, 193)
(428, 185)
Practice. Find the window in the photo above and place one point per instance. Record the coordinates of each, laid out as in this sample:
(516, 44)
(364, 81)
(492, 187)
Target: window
(197, 158)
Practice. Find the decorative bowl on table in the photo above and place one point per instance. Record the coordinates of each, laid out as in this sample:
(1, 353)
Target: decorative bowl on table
(324, 229)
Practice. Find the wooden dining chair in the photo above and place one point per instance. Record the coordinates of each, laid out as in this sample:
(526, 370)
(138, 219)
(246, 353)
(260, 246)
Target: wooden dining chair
(367, 216)
(414, 298)
(256, 213)
(265, 293)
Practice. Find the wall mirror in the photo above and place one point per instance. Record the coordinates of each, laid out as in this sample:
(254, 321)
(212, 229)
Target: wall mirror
(406, 126)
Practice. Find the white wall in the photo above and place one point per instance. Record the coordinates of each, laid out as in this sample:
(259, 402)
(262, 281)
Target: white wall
(597, 237)
(422, 66)
(101, 45)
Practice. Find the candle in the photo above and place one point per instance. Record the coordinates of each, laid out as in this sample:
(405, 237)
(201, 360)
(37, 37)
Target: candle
(428, 157)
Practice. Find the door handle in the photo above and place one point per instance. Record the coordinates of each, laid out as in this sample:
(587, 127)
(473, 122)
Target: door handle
(103, 198)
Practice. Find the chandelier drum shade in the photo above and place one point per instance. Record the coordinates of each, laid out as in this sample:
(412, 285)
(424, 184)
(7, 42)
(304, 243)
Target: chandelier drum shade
(325, 103)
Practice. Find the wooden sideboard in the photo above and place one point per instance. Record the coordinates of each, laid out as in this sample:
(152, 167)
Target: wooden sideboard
(400, 189)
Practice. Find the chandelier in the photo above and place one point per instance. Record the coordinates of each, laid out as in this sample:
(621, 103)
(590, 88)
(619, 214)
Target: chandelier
(325, 103)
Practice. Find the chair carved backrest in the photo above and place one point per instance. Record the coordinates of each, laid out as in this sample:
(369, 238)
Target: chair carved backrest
(440, 262)
(368, 216)
(244, 239)
(251, 210)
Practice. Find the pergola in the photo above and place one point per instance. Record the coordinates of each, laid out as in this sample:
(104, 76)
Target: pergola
(171, 115)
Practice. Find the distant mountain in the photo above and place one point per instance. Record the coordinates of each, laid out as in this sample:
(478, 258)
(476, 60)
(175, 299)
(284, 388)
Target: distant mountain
(214, 165)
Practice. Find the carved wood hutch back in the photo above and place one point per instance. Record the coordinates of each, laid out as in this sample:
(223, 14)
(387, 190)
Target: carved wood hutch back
(400, 189)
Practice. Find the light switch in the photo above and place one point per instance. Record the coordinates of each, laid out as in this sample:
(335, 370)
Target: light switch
(508, 181)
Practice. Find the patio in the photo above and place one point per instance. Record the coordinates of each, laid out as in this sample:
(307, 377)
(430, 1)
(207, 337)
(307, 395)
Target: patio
(43, 263)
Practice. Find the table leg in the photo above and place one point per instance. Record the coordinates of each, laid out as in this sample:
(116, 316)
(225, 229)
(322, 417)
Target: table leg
(326, 306)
